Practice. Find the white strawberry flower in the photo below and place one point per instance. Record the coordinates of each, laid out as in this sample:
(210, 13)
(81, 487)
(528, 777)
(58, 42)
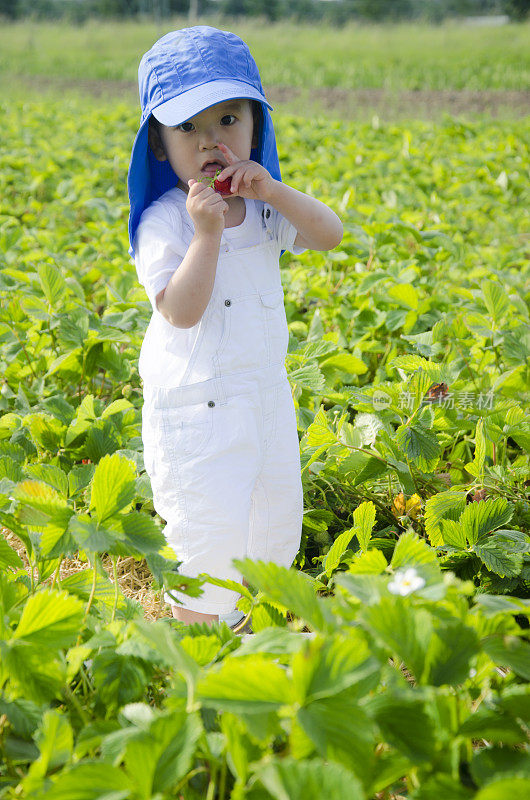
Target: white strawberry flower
(406, 581)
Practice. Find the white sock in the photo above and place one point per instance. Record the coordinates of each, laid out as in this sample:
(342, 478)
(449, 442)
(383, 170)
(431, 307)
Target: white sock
(233, 618)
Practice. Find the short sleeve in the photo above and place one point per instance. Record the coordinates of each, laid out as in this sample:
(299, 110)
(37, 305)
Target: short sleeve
(159, 248)
(285, 231)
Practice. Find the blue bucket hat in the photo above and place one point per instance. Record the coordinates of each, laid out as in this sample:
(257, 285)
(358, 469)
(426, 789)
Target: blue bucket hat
(185, 72)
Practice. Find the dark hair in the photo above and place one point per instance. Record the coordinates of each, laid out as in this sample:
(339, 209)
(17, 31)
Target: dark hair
(257, 117)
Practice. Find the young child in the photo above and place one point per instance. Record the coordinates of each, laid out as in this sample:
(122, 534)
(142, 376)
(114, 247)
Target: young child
(219, 426)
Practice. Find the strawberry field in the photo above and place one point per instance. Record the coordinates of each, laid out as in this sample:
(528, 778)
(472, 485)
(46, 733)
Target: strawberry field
(409, 360)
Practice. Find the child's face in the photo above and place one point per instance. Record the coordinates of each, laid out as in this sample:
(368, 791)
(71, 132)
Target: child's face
(191, 144)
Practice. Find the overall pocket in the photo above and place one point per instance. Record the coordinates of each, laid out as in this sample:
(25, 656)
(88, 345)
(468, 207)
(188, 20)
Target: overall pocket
(244, 345)
(187, 430)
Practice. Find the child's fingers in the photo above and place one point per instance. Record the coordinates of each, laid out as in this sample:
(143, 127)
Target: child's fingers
(237, 177)
(196, 187)
(230, 157)
(228, 171)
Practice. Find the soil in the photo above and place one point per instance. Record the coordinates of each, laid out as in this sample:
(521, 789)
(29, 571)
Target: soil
(348, 104)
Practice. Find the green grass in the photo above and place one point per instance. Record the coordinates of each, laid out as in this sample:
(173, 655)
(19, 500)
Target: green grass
(449, 56)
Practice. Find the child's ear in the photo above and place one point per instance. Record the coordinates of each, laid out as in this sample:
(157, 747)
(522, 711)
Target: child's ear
(155, 143)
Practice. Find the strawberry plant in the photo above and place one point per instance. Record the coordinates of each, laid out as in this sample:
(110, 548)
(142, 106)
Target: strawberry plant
(408, 359)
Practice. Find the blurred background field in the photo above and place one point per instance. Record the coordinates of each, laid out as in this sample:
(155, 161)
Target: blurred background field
(398, 71)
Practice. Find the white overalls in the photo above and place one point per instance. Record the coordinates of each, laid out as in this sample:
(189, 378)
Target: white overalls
(221, 448)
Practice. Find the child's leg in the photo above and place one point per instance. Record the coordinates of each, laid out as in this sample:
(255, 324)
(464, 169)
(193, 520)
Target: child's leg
(189, 617)
(277, 500)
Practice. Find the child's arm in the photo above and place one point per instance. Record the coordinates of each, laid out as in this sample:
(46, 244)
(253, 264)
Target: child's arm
(188, 292)
(319, 228)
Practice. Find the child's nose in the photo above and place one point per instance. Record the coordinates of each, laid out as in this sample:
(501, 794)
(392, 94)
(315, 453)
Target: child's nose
(208, 138)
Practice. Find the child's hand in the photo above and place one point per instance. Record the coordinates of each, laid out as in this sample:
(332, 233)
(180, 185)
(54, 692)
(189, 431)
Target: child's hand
(249, 179)
(206, 207)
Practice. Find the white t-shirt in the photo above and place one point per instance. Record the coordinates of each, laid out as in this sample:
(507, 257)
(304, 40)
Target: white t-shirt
(166, 229)
(162, 239)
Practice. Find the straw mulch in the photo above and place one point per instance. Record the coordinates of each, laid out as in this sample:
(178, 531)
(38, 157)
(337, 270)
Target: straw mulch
(134, 577)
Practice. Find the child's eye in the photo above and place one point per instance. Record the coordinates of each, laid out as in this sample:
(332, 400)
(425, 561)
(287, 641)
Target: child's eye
(182, 127)
(227, 116)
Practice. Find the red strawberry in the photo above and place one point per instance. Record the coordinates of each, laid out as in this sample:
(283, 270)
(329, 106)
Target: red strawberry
(223, 187)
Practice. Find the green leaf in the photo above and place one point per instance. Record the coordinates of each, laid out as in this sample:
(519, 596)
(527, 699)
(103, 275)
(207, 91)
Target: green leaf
(337, 550)
(329, 723)
(479, 519)
(8, 556)
(411, 551)
(372, 469)
(491, 605)
(293, 589)
(50, 618)
(89, 536)
(402, 630)
(52, 282)
(202, 649)
(488, 763)
(514, 788)
(308, 377)
(509, 651)
(442, 785)
(47, 473)
(345, 362)
(46, 431)
(319, 433)
(40, 506)
(162, 638)
(365, 587)
(91, 781)
(326, 667)
(55, 742)
(116, 406)
(289, 779)
(113, 486)
(480, 449)
(157, 759)
(33, 673)
(491, 724)
(364, 518)
(438, 373)
(450, 651)
(507, 565)
(496, 300)
(419, 444)
(373, 562)
(405, 294)
(140, 533)
(101, 440)
(73, 329)
(80, 584)
(515, 700)
(444, 505)
(119, 679)
(453, 534)
(405, 724)
(250, 684)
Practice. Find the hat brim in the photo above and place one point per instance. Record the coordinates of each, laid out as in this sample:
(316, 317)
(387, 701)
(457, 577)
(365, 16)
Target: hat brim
(188, 104)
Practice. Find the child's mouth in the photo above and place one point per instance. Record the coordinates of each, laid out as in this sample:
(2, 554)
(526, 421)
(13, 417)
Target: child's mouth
(211, 169)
